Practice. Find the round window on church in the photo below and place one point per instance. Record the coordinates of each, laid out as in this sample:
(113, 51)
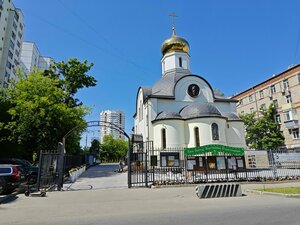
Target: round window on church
(193, 90)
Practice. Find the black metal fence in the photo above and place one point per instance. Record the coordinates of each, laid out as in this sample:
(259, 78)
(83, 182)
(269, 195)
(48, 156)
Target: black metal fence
(53, 165)
(170, 166)
(50, 169)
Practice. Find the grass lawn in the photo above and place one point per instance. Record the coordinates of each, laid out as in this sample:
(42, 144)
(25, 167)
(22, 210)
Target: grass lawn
(284, 190)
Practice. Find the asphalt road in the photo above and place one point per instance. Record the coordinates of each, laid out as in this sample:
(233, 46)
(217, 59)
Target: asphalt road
(176, 206)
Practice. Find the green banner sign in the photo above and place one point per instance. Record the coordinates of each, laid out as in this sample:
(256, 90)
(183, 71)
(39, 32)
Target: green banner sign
(214, 150)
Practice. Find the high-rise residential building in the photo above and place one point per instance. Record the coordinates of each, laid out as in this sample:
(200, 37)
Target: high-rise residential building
(111, 121)
(31, 58)
(283, 90)
(11, 38)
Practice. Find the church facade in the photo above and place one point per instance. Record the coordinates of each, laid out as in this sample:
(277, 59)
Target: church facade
(182, 110)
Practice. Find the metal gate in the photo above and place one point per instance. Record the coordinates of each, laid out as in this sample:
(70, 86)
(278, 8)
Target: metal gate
(139, 175)
(51, 169)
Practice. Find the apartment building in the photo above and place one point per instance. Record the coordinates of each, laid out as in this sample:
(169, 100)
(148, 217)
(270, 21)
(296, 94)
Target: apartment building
(11, 38)
(113, 119)
(283, 90)
(31, 58)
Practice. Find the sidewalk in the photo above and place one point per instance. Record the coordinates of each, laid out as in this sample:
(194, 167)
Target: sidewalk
(103, 176)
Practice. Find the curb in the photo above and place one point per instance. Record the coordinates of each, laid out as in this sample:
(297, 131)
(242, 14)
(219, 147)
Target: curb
(273, 193)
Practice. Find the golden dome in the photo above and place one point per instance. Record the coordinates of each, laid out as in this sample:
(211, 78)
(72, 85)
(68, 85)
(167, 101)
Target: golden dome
(175, 43)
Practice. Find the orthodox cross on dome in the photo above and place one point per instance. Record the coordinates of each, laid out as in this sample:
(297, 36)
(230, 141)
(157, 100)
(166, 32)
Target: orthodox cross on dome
(173, 22)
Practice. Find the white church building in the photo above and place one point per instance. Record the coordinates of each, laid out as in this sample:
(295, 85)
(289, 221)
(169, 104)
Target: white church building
(182, 110)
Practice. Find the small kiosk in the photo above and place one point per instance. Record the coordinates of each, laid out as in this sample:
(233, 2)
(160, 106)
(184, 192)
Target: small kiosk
(214, 157)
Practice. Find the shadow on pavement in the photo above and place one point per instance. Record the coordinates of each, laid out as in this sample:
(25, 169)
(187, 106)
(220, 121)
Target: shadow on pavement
(102, 170)
(8, 198)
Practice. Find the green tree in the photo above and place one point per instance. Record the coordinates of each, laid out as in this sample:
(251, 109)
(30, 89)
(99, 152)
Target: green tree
(113, 149)
(40, 117)
(72, 76)
(9, 148)
(95, 147)
(263, 132)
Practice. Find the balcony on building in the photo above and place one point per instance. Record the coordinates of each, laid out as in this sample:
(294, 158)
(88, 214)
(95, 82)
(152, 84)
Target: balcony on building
(291, 124)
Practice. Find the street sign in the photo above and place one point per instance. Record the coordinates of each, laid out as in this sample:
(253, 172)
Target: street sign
(136, 138)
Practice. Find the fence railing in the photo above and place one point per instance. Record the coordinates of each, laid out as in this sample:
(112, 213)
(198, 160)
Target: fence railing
(171, 166)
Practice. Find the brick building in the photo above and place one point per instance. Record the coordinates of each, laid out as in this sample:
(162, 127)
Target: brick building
(283, 90)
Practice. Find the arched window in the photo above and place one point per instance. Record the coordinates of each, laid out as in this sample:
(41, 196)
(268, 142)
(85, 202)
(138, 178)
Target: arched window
(197, 140)
(141, 111)
(180, 62)
(163, 138)
(215, 131)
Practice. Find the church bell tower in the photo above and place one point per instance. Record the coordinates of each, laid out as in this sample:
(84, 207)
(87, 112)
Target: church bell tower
(175, 51)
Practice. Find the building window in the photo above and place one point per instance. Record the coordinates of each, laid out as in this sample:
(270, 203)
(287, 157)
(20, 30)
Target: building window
(17, 17)
(18, 44)
(277, 119)
(10, 54)
(275, 103)
(20, 34)
(242, 112)
(251, 110)
(261, 94)
(141, 111)
(21, 26)
(8, 65)
(250, 98)
(298, 77)
(180, 62)
(197, 140)
(15, 25)
(7, 74)
(288, 115)
(16, 62)
(11, 44)
(169, 159)
(147, 120)
(120, 118)
(163, 138)
(215, 131)
(295, 133)
(240, 102)
(285, 83)
(13, 35)
(288, 99)
(263, 106)
(272, 89)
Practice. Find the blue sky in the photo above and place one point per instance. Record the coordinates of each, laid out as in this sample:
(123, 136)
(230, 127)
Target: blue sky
(234, 44)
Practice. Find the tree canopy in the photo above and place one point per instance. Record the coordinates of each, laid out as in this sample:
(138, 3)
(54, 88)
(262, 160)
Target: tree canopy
(113, 149)
(41, 108)
(95, 147)
(263, 132)
(72, 76)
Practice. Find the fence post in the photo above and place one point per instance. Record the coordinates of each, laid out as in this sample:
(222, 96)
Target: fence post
(40, 170)
(206, 167)
(146, 163)
(60, 165)
(129, 164)
(273, 164)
